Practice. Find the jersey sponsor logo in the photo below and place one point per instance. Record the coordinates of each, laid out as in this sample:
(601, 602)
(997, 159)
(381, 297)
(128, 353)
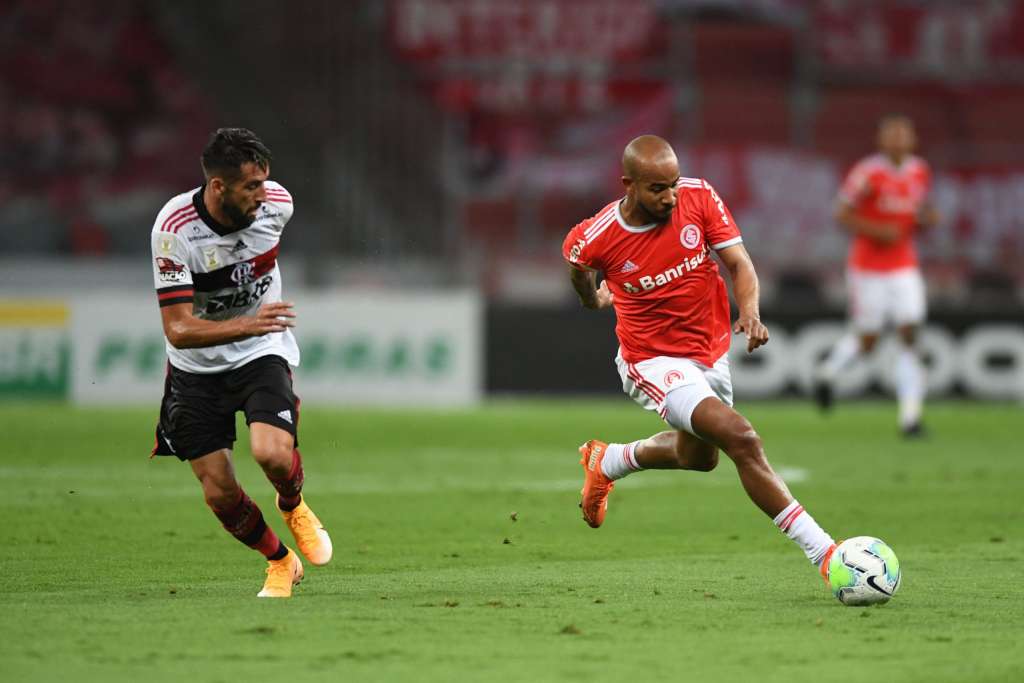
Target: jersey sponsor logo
(649, 282)
(576, 250)
(243, 298)
(169, 270)
(629, 267)
(243, 273)
(690, 236)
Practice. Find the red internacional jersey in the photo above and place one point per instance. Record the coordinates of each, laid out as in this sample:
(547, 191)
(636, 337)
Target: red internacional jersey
(879, 191)
(669, 298)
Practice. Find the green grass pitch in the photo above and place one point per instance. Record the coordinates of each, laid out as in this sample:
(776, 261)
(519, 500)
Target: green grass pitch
(460, 554)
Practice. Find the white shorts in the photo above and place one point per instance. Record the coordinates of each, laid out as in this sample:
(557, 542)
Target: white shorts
(877, 299)
(650, 381)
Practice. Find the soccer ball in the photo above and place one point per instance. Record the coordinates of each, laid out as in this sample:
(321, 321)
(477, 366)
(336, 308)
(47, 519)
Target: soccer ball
(863, 571)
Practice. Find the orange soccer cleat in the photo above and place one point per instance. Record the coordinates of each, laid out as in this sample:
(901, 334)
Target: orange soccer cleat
(823, 567)
(310, 535)
(596, 486)
(281, 576)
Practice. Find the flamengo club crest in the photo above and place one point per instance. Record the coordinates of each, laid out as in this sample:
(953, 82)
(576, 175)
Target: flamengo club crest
(242, 273)
(690, 236)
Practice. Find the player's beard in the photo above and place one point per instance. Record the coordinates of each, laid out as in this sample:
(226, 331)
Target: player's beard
(655, 216)
(239, 219)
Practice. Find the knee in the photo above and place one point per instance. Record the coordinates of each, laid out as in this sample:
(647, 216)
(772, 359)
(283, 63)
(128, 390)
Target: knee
(744, 444)
(273, 455)
(703, 465)
(704, 458)
(221, 494)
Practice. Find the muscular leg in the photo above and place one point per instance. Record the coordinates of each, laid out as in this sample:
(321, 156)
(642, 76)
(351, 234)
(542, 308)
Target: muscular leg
(240, 516)
(722, 426)
(676, 450)
(274, 449)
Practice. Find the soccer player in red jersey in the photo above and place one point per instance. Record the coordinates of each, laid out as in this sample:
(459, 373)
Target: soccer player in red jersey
(883, 203)
(229, 348)
(653, 247)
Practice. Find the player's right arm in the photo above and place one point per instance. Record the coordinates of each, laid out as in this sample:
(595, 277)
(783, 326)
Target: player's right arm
(583, 268)
(856, 188)
(173, 279)
(185, 331)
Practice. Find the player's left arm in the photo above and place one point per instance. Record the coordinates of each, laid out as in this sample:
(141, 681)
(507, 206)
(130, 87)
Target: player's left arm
(584, 281)
(747, 291)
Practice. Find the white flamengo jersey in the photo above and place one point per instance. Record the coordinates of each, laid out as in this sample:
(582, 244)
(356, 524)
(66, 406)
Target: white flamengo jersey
(224, 273)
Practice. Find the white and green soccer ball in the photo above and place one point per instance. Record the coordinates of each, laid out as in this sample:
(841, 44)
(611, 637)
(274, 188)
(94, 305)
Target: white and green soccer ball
(863, 571)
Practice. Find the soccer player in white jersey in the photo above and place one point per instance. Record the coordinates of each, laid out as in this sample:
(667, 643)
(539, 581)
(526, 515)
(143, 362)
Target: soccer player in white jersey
(230, 348)
(654, 248)
(884, 204)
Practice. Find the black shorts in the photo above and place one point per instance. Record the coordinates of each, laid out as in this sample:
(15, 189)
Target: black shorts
(197, 414)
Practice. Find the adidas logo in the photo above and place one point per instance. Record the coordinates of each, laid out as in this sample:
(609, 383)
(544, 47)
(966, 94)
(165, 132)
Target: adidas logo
(285, 415)
(629, 267)
(239, 246)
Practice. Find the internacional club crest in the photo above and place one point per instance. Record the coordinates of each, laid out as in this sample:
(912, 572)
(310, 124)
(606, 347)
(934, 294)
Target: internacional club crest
(690, 236)
(672, 377)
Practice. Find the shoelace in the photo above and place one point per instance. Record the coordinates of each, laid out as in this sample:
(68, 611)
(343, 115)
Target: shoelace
(282, 568)
(305, 526)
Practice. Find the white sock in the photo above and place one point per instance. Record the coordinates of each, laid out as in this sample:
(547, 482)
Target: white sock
(842, 356)
(619, 460)
(801, 528)
(909, 386)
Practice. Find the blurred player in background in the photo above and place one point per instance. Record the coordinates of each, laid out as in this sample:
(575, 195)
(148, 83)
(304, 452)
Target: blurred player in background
(230, 348)
(654, 249)
(883, 203)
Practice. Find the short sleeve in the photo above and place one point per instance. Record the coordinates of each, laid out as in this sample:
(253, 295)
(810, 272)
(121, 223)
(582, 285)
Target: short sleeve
(856, 186)
(579, 251)
(720, 229)
(171, 274)
(281, 198)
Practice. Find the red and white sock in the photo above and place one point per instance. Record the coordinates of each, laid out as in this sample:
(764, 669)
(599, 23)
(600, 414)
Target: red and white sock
(619, 460)
(801, 528)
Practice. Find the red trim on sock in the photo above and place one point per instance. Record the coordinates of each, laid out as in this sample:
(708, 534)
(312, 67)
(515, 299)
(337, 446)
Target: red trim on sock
(791, 517)
(296, 464)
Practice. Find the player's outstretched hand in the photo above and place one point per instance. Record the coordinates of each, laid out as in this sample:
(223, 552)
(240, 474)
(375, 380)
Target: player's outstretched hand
(275, 317)
(757, 333)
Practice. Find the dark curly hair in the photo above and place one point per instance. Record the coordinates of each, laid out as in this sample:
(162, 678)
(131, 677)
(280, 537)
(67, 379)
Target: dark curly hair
(229, 148)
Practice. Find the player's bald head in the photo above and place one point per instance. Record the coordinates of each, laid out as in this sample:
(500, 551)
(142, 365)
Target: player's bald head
(648, 155)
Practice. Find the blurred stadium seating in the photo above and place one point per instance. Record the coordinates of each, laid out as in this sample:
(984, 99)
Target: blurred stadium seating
(464, 138)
